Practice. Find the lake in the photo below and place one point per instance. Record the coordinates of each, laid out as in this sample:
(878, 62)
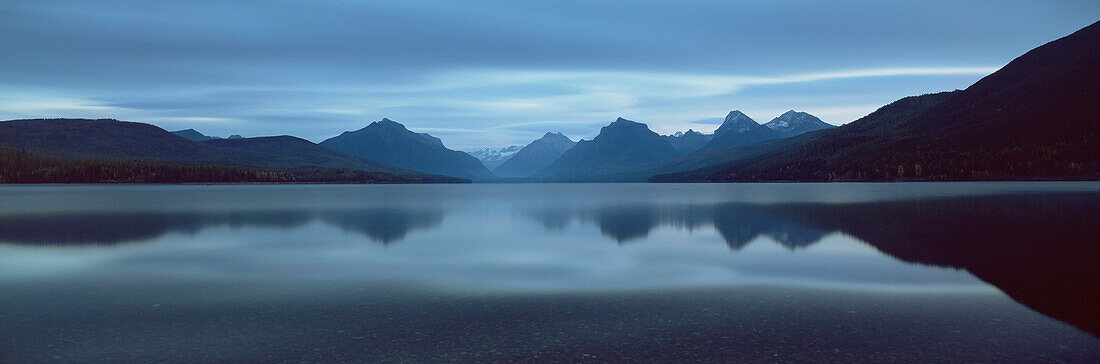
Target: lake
(925, 272)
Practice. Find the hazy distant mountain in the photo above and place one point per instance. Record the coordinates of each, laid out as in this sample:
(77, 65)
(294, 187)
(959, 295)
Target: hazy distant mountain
(235, 136)
(535, 156)
(739, 129)
(793, 123)
(1034, 118)
(688, 142)
(193, 135)
(127, 141)
(620, 146)
(390, 142)
(493, 157)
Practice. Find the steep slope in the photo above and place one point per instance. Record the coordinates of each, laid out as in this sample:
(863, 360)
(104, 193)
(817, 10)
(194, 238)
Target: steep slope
(390, 142)
(193, 135)
(535, 156)
(494, 157)
(688, 142)
(620, 146)
(793, 123)
(694, 167)
(1035, 118)
(823, 144)
(739, 129)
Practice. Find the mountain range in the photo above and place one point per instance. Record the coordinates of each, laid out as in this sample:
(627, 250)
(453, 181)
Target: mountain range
(109, 139)
(689, 141)
(1035, 118)
(390, 142)
(738, 129)
(493, 157)
(620, 146)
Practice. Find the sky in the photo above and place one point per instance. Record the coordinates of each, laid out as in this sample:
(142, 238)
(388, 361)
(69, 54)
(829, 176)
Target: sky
(497, 73)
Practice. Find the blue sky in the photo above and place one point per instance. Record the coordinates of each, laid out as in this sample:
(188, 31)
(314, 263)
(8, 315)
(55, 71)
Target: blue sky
(495, 73)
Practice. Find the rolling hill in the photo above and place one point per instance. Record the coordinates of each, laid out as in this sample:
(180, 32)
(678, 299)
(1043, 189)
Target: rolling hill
(108, 139)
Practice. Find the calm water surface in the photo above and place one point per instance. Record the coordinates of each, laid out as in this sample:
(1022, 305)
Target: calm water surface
(992, 272)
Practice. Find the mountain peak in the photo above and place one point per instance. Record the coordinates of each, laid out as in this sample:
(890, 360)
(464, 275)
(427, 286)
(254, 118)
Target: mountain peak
(535, 156)
(621, 125)
(738, 117)
(389, 142)
(193, 135)
(793, 123)
(556, 138)
(736, 122)
(688, 141)
(622, 145)
(388, 123)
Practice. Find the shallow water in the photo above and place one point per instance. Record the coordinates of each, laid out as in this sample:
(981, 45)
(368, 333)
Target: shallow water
(753, 272)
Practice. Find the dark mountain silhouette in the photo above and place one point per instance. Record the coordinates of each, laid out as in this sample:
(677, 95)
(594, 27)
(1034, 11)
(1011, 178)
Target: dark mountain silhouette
(1034, 118)
(696, 167)
(535, 156)
(23, 167)
(689, 141)
(390, 142)
(193, 135)
(108, 139)
(623, 145)
(293, 151)
(793, 123)
(739, 129)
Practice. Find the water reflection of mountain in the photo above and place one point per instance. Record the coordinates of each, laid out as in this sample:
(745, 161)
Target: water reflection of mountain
(738, 224)
(383, 225)
(1042, 250)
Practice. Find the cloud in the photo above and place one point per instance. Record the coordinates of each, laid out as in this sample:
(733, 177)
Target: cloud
(501, 68)
(462, 104)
